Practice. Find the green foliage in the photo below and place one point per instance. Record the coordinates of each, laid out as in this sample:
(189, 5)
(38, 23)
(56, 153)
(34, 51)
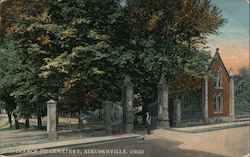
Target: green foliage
(20, 86)
(165, 37)
(83, 35)
(81, 50)
(9, 66)
(188, 22)
(242, 88)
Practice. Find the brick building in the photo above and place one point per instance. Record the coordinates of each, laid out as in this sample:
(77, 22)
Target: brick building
(220, 92)
(212, 103)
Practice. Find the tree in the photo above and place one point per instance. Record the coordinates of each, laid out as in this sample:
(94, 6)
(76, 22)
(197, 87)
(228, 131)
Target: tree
(17, 15)
(30, 93)
(69, 43)
(10, 65)
(94, 44)
(166, 37)
(169, 36)
(188, 22)
(83, 56)
(242, 84)
(22, 89)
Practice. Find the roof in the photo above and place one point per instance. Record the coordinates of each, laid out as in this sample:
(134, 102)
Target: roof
(217, 55)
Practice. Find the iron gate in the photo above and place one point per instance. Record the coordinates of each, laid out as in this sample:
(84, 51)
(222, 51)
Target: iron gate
(80, 120)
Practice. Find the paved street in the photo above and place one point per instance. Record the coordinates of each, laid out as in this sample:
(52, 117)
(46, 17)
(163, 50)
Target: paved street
(139, 148)
(162, 143)
(228, 142)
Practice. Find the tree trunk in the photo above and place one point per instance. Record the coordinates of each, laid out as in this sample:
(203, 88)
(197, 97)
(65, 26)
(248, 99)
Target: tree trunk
(79, 123)
(27, 122)
(144, 110)
(10, 119)
(39, 122)
(16, 121)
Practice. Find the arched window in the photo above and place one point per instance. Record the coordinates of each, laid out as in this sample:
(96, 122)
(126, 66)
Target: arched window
(218, 102)
(218, 79)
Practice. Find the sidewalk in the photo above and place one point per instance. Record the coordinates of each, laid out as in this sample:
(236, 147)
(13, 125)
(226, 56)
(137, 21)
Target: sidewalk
(21, 133)
(83, 142)
(28, 138)
(233, 142)
(212, 127)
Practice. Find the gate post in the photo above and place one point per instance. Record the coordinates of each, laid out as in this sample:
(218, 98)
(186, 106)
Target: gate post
(205, 108)
(162, 89)
(231, 98)
(51, 119)
(127, 97)
(177, 111)
(107, 117)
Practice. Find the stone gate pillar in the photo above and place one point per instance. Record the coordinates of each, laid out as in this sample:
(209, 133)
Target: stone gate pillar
(127, 99)
(231, 99)
(205, 100)
(177, 111)
(107, 117)
(51, 119)
(163, 115)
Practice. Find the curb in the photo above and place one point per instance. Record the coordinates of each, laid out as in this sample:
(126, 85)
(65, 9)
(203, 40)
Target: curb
(220, 128)
(212, 128)
(75, 145)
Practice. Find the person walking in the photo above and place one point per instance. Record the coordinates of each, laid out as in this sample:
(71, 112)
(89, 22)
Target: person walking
(148, 122)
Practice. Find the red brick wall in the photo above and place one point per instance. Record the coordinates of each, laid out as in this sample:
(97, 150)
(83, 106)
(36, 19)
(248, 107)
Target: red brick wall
(217, 65)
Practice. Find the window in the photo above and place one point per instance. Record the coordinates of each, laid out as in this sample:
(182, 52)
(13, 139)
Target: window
(218, 102)
(218, 79)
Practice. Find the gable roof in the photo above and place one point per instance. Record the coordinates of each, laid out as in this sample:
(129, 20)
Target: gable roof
(217, 55)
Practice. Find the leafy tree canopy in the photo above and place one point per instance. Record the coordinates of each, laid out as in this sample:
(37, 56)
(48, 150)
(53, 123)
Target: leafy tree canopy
(242, 85)
(89, 46)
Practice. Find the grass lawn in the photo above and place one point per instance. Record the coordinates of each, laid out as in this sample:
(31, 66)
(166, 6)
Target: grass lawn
(3, 120)
(73, 121)
(67, 121)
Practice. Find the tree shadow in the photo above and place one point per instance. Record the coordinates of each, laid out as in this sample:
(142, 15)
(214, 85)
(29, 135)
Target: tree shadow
(150, 148)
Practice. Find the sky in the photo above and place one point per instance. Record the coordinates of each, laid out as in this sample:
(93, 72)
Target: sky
(233, 37)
